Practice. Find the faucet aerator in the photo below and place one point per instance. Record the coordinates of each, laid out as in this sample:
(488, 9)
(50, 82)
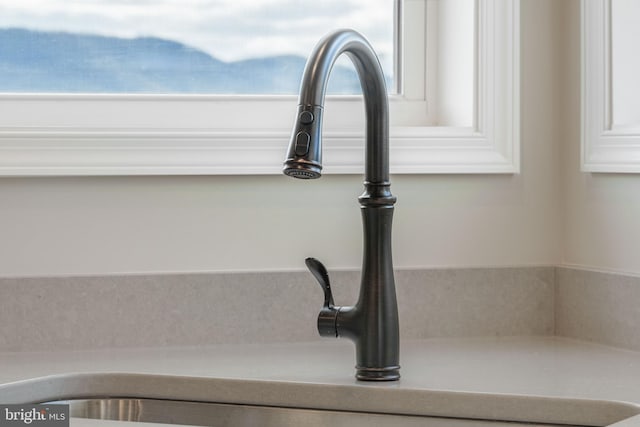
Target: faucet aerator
(301, 171)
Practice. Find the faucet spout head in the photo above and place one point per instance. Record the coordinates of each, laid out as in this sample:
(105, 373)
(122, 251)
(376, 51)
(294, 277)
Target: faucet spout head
(304, 156)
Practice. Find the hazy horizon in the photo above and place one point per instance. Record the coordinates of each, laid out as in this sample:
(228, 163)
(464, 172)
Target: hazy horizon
(230, 30)
(62, 62)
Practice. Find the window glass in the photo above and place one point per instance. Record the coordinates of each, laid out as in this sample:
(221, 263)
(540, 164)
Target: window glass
(180, 46)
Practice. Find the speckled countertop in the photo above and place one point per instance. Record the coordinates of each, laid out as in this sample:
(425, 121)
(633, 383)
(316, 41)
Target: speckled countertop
(534, 379)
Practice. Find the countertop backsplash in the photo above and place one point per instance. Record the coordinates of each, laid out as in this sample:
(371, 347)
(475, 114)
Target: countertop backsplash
(128, 311)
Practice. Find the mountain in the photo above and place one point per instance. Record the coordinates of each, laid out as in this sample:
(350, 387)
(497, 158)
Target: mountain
(36, 61)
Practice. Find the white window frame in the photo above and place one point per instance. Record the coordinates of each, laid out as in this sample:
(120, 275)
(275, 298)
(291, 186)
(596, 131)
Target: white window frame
(60, 134)
(604, 147)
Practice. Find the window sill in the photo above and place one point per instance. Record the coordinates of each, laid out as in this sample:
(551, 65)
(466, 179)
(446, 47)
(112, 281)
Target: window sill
(414, 150)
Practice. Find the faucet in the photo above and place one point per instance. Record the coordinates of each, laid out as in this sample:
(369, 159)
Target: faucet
(372, 323)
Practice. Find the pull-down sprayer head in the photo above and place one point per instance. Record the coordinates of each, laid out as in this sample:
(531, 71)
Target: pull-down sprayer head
(304, 157)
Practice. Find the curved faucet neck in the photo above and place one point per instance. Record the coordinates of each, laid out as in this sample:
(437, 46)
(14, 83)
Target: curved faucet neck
(371, 76)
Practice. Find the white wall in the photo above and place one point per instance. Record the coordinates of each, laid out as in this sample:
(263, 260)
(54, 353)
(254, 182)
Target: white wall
(602, 211)
(60, 226)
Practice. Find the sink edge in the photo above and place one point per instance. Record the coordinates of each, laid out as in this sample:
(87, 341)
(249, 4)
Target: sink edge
(371, 398)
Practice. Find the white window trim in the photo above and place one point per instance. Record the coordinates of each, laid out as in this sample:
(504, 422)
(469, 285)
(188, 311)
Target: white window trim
(605, 147)
(107, 135)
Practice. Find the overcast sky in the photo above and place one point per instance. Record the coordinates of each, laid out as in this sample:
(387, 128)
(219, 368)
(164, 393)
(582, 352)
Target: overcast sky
(227, 29)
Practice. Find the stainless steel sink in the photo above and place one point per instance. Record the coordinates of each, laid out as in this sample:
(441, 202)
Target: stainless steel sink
(223, 415)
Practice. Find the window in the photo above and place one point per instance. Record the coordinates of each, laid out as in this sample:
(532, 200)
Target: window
(610, 121)
(151, 133)
(178, 46)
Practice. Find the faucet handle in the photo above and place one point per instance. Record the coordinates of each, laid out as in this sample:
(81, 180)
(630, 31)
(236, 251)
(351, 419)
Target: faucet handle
(320, 273)
(327, 319)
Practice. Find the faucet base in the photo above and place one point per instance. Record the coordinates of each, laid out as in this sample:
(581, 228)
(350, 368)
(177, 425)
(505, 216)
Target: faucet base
(389, 373)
